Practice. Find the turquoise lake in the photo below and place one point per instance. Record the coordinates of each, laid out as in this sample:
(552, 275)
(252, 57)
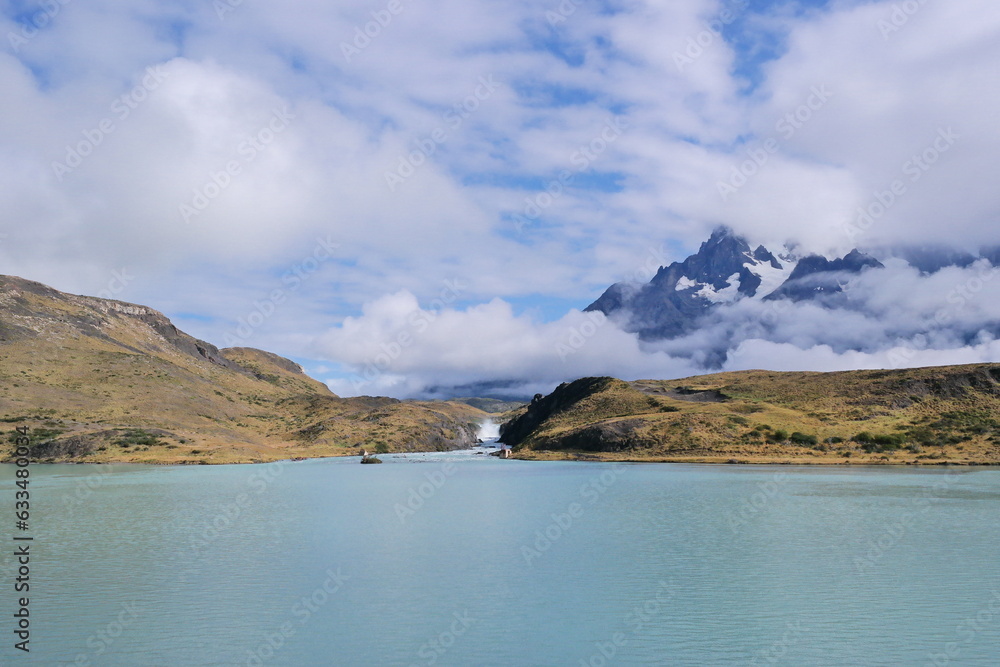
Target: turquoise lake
(457, 559)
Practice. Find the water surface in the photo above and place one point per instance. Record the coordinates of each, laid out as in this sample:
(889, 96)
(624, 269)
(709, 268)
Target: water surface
(469, 560)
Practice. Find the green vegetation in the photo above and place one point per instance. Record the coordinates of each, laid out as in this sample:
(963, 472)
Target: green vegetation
(803, 439)
(37, 435)
(798, 417)
(780, 435)
(117, 398)
(136, 437)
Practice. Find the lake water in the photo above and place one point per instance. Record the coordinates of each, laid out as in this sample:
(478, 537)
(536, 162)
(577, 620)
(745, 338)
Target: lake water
(466, 560)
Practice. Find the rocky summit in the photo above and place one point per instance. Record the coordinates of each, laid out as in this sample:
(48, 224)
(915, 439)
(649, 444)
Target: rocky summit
(724, 270)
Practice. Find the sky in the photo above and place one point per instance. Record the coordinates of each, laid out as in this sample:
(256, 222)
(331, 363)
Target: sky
(418, 199)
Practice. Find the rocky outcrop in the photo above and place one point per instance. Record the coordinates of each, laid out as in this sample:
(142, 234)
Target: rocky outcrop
(34, 310)
(541, 407)
(816, 275)
(920, 415)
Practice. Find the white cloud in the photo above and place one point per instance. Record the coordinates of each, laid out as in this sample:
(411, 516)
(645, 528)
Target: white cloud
(398, 347)
(687, 125)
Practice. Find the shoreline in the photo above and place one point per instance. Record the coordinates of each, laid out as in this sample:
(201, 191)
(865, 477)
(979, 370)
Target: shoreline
(585, 457)
(607, 457)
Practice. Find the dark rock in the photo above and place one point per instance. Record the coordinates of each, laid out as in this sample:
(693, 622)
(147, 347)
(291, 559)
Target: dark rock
(816, 275)
(563, 397)
(659, 309)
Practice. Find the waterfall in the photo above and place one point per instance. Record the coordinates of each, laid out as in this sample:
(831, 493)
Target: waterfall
(488, 430)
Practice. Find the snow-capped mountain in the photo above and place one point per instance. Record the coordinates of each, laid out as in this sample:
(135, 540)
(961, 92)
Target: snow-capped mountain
(724, 270)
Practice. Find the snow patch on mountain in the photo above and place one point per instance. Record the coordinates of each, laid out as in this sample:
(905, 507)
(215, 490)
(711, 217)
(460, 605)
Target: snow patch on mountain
(684, 283)
(727, 294)
(771, 278)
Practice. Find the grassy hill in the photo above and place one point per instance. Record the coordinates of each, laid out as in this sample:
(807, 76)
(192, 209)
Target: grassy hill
(915, 416)
(98, 380)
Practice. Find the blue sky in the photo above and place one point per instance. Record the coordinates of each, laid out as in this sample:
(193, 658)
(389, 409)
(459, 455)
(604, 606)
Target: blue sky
(478, 171)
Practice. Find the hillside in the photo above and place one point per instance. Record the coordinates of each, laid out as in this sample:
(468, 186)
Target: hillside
(914, 416)
(98, 380)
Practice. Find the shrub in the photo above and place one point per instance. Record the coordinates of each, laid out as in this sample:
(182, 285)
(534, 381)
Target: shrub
(780, 435)
(803, 439)
(137, 436)
(38, 436)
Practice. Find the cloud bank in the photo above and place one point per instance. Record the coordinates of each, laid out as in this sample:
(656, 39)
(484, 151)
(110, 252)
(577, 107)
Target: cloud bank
(894, 317)
(535, 153)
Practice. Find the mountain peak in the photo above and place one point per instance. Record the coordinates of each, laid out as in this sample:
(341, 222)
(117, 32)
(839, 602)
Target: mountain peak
(724, 270)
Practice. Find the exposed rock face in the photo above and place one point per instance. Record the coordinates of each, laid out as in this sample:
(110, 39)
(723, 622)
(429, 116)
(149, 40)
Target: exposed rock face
(34, 310)
(816, 275)
(724, 270)
(541, 408)
(985, 380)
(931, 259)
(613, 436)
